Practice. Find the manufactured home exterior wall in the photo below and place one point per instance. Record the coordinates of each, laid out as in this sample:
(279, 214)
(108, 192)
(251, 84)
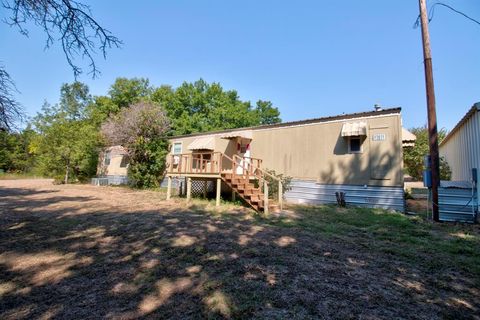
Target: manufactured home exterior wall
(114, 168)
(319, 153)
(461, 147)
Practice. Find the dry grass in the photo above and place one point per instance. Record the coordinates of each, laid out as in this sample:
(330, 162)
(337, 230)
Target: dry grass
(97, 252)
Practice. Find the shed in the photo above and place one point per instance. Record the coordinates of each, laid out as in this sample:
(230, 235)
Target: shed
(461, 147)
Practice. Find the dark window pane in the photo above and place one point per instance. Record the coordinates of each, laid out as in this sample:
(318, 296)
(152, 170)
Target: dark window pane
(124, 162)
(106, 161)
(355, 145)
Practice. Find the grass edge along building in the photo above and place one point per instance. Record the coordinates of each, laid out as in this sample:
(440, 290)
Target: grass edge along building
(358, 154)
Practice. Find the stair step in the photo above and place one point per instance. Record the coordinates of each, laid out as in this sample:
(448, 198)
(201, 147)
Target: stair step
(247, 190)
(253, 197)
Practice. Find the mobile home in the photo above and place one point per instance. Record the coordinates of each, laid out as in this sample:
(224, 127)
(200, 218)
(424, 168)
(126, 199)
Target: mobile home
(359, 155)
(461, 149)
(112, 166)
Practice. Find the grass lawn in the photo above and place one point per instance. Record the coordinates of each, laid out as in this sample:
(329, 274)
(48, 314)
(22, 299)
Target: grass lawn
(98, 252)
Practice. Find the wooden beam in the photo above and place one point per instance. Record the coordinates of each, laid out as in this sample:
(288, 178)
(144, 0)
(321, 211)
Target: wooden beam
(219, 189)
(189, 189)
(431, 109)
(280, 194)
(265, 196)
(169, 188)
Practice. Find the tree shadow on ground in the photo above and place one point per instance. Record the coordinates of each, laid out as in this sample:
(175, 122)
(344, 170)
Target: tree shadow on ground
(65, 256)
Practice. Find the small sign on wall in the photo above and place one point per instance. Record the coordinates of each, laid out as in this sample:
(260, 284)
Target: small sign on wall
(379, 137)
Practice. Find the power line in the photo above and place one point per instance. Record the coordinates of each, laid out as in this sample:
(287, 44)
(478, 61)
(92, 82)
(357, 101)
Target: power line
(432, 13)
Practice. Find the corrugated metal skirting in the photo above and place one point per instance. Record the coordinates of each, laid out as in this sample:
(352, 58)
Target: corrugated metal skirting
(457, 204)
(310, 192)
(109, 180)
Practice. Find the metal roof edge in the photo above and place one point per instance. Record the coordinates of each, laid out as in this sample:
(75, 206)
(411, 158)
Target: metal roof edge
(298, 122)
(475, 108)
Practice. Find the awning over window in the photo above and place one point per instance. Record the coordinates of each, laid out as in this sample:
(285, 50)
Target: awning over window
(241, 134)
(350, 129)
(207, 143)
(408, 138)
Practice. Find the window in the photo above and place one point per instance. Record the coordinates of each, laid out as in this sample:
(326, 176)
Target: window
(124, 162)
(106, 160)
(355, 145)
(177, 148)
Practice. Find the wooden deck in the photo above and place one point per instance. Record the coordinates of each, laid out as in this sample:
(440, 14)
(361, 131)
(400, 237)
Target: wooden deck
(243, 175)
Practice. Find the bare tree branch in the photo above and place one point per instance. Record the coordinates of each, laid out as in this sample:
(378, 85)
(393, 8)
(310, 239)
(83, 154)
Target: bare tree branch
(10, 110)
(79, 33)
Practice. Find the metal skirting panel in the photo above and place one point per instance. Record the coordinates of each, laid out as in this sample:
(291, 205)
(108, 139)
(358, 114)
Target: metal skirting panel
(109, 180)
(310, 192)
(457, 204)
(175, 182)
(461, 147)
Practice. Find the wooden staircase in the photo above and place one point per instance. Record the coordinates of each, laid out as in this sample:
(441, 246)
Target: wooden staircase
(247, 191)
(236, 171)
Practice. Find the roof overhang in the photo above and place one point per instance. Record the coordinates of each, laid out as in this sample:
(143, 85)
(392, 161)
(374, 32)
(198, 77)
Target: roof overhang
(116, 150)
(246, 134)
(350, 129)
(408, 138)
(206, 143)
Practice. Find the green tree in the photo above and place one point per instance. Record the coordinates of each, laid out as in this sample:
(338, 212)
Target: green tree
(142, 129)
(267, 113)
(414, 156)
(126, 92)
(122, 93)
(67, 142)
(200, 106)
(15, 153)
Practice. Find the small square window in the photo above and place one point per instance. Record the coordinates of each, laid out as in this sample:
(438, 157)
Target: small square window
(177, 148)
(355, 145)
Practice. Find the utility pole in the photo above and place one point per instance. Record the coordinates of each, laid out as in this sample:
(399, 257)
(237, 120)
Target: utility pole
(432, 113)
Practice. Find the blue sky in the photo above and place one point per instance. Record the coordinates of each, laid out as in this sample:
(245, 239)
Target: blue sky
(310, 58)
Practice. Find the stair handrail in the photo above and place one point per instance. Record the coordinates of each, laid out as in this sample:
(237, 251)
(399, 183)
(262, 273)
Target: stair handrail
(263, 173)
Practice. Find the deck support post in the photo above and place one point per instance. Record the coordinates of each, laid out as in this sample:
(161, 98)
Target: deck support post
(219, 189)
(265, 197)
(280, 194)
(233, 195)
(205, 186)
(169, 187)
(189, 189)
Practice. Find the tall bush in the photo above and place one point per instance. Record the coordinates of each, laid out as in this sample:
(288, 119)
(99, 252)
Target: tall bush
(142, 129)
(273, 183)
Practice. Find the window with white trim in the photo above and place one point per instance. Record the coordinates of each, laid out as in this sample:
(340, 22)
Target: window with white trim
(177, 148)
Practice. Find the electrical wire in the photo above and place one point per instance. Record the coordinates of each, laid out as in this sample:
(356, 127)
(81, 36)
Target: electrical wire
(431, 13)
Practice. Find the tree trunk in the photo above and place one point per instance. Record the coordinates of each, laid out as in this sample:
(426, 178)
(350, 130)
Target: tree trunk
(67, 169)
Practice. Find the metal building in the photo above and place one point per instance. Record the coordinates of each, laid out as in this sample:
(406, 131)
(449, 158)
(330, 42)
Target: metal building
(461, 147)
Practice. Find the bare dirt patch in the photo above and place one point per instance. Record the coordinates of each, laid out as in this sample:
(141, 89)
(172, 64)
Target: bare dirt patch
(101, 252)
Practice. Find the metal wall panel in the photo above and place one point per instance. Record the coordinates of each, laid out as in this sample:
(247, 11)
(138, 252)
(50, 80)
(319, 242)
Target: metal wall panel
(457, 204)
(109, 180)
(310, 192)
(461, 148)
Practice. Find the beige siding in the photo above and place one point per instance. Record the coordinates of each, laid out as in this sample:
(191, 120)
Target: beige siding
(461, 149)
(318, 152)
(114, 168)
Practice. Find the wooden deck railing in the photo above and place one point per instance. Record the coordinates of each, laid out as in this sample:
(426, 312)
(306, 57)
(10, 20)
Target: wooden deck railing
(196, 163)
(216, 163)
